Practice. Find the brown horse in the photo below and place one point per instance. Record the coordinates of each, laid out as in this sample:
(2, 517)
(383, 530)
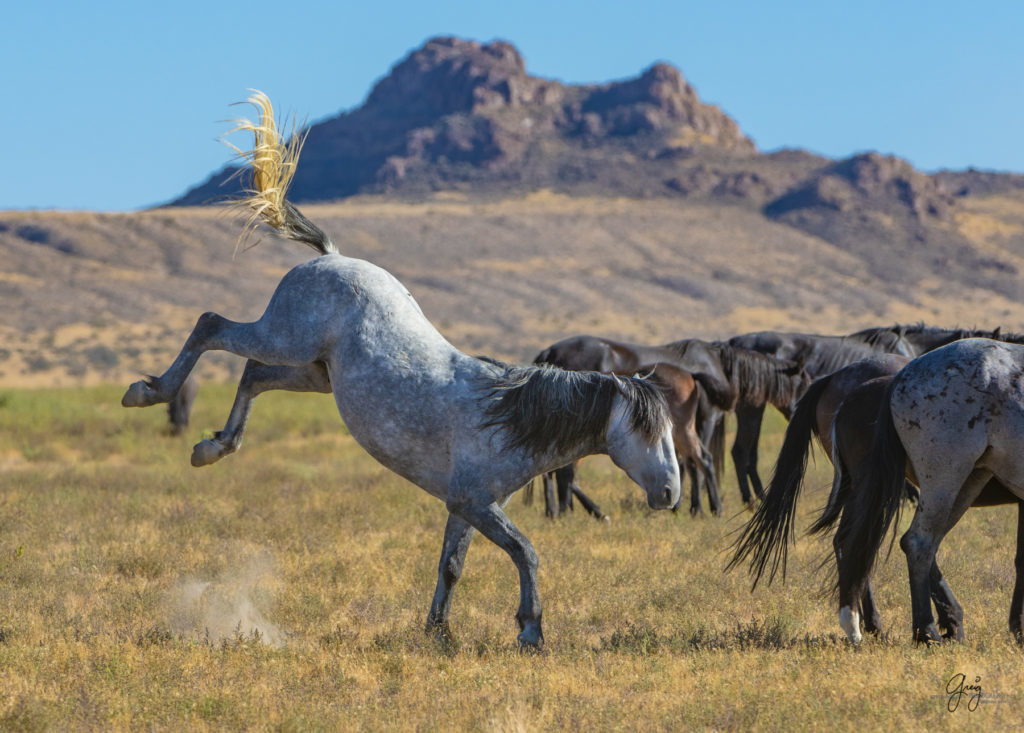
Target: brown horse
(841, 409)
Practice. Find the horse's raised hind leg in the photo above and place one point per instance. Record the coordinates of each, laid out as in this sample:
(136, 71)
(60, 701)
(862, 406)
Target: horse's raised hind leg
(493, 524)
(1017, 604)
(258, 378)
(948, 609)
(208, 334)
(457, 536)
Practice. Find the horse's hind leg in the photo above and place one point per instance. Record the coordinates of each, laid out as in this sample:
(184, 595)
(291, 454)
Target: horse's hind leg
(457, 536)
(550, 495)
(208, 334)
(949, 610)
(589, 504)
(706, 467)
(1017, 604)
(949, 497)
(869, 610)
(258, 378)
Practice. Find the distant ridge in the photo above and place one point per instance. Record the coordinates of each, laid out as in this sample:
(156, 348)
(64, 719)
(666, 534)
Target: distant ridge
(455, 112)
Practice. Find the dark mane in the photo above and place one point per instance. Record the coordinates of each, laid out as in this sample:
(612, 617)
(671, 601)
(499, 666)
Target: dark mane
(758, 378)
(544, 407)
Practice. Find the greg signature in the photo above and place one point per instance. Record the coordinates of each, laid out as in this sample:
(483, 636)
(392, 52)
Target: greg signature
(958, 688)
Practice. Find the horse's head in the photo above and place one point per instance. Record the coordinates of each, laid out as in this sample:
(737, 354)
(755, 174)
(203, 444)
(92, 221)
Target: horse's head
(640, 442)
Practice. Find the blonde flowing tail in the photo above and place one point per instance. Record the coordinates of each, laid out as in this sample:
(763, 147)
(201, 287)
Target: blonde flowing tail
(273, 161)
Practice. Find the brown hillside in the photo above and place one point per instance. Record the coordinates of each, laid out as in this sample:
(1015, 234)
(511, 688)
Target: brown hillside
(104, 296)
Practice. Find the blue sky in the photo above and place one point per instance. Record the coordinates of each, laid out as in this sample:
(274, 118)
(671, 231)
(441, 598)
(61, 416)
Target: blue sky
(118, 105)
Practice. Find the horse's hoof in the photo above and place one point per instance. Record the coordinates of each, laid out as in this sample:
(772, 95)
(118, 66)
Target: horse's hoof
(140, 394)
(531, 638)
(604, 518)
(206, 452)
(929, 636)
(440, 630)
(955, 634)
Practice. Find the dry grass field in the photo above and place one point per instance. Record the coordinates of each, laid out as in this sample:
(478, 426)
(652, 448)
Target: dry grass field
(285, 588)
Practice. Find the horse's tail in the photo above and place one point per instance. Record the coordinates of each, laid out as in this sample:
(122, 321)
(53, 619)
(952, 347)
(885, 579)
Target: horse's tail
(273, 161)
(840, 489)
(874, 504)
(767, 535)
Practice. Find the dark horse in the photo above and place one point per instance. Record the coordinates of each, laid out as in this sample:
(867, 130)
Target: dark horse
(821, 355)
(841, 409)
(727, 375)
(180, 408)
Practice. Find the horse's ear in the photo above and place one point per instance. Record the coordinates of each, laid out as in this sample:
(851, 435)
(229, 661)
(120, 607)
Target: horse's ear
(997, 333)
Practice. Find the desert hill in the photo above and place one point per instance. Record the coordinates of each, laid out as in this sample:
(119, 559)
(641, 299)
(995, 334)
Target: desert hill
(520, 210)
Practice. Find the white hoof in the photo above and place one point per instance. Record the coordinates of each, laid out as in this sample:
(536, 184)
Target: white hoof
(850, 621)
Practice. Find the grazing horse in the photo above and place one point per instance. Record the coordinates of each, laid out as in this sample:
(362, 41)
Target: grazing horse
(766, 537)
(179, 409)
(952, 420)
(820, 355)
(683, 394)
(467, 430)
(727, 375)
(823, 355)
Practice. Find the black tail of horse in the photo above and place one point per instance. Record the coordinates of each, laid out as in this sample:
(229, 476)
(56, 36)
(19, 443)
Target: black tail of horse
(873, 504)
(841, 485)
(765, 539)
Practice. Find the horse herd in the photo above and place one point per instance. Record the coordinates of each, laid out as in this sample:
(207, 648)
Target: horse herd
(903, 412)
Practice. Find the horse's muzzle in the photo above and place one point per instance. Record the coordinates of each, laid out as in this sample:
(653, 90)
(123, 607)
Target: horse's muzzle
(666, 498)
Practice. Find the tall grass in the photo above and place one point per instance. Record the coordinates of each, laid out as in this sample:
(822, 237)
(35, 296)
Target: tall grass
(286, 588)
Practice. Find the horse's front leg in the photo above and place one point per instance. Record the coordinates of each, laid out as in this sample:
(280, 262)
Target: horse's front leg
(211, 332)
(744, 450)
(457, 536)
(493, 524)
(257, 379)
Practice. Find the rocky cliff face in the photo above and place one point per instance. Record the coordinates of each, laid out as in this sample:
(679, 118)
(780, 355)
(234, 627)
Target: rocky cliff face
(456, 111)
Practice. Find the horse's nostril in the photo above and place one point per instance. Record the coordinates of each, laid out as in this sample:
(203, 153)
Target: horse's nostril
(668, 496)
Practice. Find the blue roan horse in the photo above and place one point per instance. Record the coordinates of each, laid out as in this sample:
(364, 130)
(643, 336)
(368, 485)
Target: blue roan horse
(952, 420)
(468, 430)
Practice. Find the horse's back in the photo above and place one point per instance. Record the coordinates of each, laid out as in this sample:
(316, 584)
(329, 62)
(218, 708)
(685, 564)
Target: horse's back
(961, 403)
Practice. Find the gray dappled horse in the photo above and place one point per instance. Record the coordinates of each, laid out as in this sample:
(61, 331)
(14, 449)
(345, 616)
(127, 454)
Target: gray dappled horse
(467, 430)
(952, 420)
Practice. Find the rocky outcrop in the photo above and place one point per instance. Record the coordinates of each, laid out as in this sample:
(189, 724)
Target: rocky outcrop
(456, 111)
